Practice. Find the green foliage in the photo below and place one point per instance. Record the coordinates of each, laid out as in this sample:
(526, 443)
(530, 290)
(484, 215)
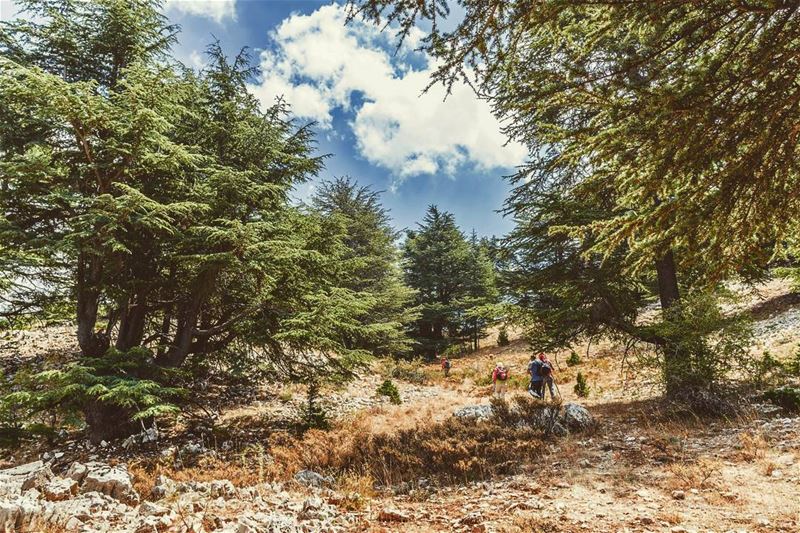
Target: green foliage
(369, 265)
(314, 415)
(706, 345)
(455, 284)
(153, 201)
(389, 389)
(788, 398)
(574, 359)
(581, 386)
(129, 381)
(502, 337)
(411, 371)
(764, 369)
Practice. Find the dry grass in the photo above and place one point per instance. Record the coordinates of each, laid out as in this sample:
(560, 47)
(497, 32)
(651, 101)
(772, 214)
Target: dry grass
(753, 445)
(695, 475)
(535, 522)
(357, 490)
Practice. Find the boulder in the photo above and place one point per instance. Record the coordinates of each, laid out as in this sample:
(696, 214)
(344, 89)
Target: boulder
(110, 480)
(393, 515)
(477, 412)
(60, 489)
(310, 478)
(37, 478)
(77, 471)
(576, 417)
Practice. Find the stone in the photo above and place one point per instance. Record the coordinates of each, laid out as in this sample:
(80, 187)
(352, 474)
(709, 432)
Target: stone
(222, 489)
(37, 479)
(678, 495)
(559, 430)
(77, 471)
(576, 417)
(476, 412)
(110, 480)
(310, 478)
(393, 515)
(60, 489)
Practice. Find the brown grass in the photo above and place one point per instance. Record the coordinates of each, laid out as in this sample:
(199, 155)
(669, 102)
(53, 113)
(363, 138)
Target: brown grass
(700, 474)
(753, 445)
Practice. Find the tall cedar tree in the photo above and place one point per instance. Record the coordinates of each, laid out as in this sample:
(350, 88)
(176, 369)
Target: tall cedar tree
(160, 195)
(370, 266)
(454, 281)
(683, 112)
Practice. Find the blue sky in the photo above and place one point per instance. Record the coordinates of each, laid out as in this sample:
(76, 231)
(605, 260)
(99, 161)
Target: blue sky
(366, 100)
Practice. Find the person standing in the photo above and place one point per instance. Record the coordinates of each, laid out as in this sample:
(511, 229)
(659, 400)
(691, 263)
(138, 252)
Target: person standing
(499, 378)
(446, 366)
(546, 371)
(536, 388)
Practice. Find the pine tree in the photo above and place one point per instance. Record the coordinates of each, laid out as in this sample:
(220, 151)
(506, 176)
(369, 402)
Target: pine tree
(453, 280)
(156, 199)
(370, 266)
(682, 113)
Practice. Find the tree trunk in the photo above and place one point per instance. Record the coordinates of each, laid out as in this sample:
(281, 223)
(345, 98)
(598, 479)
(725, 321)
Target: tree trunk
(91, 342)
(187, 321)
(677, 367)
(108, 421)
(131, 326)
(667, 280)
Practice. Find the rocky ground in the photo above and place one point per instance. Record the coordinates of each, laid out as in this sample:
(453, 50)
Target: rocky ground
(635, 470)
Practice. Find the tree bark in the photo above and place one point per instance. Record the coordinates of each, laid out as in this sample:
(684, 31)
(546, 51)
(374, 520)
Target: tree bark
(667, 280)
(677, 365)
(91, 342)
(106, 421)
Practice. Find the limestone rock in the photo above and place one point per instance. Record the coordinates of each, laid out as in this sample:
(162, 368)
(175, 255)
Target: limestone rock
(60, 489)
(310, 478)
(393, 515)
(576, 417)
(112, 481)
(477, 412)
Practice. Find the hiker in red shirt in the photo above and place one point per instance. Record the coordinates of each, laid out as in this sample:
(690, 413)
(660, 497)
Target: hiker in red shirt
(499, 378)
(446, 366)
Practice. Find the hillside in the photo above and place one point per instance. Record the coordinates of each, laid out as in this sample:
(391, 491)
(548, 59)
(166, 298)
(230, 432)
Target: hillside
(233, 464)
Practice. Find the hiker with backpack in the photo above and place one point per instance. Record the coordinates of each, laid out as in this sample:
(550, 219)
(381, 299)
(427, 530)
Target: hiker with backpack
(499, 378)
(546, 371)
(446, 366)
(536, 387)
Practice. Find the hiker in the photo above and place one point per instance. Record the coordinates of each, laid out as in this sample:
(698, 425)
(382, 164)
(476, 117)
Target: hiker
(446, 366)
(499, 377)
(536, 387)
(546, 371)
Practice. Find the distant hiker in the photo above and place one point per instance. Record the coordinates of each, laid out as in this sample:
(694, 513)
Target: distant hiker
(446, 366)
(499, 378)
(536, 388)
(546, 371)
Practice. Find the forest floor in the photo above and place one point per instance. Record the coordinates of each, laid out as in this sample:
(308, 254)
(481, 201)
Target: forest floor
(638, 471)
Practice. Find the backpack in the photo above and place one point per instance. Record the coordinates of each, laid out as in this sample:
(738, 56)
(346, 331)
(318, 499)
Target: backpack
(546, 370)
(502, 374)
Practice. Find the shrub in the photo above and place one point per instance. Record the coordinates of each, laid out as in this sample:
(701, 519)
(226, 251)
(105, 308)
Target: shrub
(788, 398)
(314, 415)
(502, 337)
(410, 371)
(765, 369)
(581, 386)
(573, 359)
(389, 390)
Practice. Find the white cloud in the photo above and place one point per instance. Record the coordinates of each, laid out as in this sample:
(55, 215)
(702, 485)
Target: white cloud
(217, 10)
(8, 10)
(319, 64)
